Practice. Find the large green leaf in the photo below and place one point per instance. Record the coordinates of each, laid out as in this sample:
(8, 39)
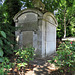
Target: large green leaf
(1, 42)
(3, 34)
(1, 59)
(1, 53)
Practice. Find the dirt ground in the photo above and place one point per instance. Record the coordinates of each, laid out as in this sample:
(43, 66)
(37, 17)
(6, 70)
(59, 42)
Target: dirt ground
(41, 66)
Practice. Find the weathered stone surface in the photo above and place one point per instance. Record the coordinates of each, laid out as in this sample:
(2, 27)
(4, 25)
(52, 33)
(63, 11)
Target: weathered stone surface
(28, 21)
(48, 34)
(27, 38)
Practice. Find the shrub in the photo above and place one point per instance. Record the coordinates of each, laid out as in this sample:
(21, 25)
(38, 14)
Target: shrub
(66, 55)
(5, 66)
(5, 34)
(24, 55)
(2, 35)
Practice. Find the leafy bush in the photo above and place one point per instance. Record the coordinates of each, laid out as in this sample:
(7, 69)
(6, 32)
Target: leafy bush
(24, 55)
(2, 35)
(5, 66)
(7, 12)
(66, 55)
(5, 30)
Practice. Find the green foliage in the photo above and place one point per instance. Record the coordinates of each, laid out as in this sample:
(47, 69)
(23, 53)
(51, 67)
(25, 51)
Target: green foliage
(19, 65)
(7, 26)
(5, 66)
(60, 32)
(1, 53)
(25, 54)
(66, 55)
(50, 5)
(12, 7)
(66, 7)
(73, 46)
(27, 3)
(66, 11)
(2, 35)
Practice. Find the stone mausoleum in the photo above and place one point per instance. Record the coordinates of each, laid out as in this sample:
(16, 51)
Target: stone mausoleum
(36, 29)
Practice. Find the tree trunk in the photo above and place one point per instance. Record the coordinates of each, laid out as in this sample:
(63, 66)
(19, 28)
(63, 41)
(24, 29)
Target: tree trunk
(65, 22)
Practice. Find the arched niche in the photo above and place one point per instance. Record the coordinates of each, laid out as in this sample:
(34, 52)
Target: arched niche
(48, 34)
